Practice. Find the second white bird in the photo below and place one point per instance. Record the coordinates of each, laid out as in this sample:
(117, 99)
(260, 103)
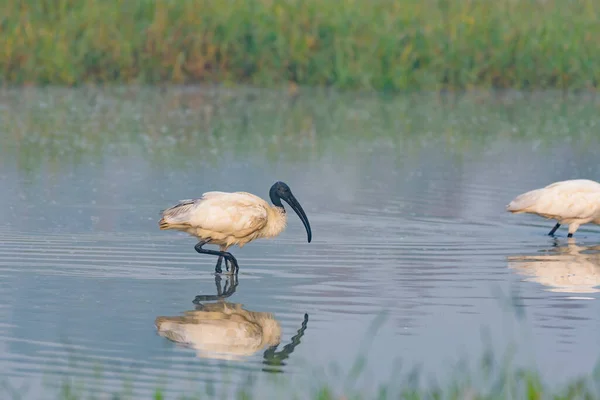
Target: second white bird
(574, 202)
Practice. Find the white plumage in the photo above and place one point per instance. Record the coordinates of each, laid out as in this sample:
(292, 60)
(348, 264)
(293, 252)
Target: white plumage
(570, 269)
(227, 219)
(224, 218)
(222, 330)
(574, 202)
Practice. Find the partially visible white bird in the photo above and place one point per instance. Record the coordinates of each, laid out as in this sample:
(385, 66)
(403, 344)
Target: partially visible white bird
(228, 219)
(574, 202)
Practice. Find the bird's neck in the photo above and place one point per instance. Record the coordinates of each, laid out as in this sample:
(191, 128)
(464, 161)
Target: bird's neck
(276, 222)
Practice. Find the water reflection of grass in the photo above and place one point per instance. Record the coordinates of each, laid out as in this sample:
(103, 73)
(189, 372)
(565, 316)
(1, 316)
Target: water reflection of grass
(348, 44)
(179, 126)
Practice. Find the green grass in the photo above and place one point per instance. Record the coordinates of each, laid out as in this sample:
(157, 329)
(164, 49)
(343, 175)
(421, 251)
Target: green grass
(519, 384)
(347, 44)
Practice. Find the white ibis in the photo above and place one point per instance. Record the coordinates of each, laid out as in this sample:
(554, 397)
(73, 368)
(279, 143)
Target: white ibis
(574, 202)
(227, 219)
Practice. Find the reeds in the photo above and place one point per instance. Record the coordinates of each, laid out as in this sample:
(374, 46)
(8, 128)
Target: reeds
(347, 44)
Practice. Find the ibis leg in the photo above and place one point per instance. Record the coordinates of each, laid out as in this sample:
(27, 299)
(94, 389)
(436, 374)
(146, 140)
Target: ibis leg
(554, 229)
(570, 235)
(222, 254)
(218, 269)
(221, 293)
(234, 264)
(218, 266)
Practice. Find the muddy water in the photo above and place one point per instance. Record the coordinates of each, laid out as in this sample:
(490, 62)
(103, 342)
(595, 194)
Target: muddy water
(414, 262)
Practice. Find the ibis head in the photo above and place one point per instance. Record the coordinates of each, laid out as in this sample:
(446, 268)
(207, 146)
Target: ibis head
(280, 191)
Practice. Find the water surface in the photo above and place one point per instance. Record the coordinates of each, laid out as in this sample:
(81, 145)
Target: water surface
(405, 196)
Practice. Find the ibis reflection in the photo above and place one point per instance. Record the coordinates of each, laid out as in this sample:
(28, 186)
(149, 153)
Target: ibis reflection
(567, 269)
(225, 330)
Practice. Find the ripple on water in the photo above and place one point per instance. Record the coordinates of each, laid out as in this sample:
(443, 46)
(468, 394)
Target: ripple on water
(94, 257)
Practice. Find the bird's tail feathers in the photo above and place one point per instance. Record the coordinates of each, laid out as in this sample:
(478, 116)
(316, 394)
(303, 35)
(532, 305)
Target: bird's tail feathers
(523, 202)
(164, 225)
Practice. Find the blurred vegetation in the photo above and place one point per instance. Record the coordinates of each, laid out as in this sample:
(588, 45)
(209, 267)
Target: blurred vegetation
(382, 44)
(51, 128)
(499, 384)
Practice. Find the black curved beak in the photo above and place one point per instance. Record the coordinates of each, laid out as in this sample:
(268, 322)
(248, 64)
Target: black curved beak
(291, 200)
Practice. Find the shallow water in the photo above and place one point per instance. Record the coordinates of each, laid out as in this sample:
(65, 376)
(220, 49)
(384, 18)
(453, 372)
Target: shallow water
(413, 258)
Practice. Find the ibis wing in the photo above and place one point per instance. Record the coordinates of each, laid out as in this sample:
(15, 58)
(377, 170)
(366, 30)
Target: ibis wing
(234, 214)
(179, 213)
(574, 186)
(184, 211)
(565, 205)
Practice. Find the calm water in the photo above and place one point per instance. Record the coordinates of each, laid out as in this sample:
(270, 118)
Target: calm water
(414, 262)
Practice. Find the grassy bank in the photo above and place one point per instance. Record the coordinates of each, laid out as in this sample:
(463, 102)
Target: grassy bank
(348, 44)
